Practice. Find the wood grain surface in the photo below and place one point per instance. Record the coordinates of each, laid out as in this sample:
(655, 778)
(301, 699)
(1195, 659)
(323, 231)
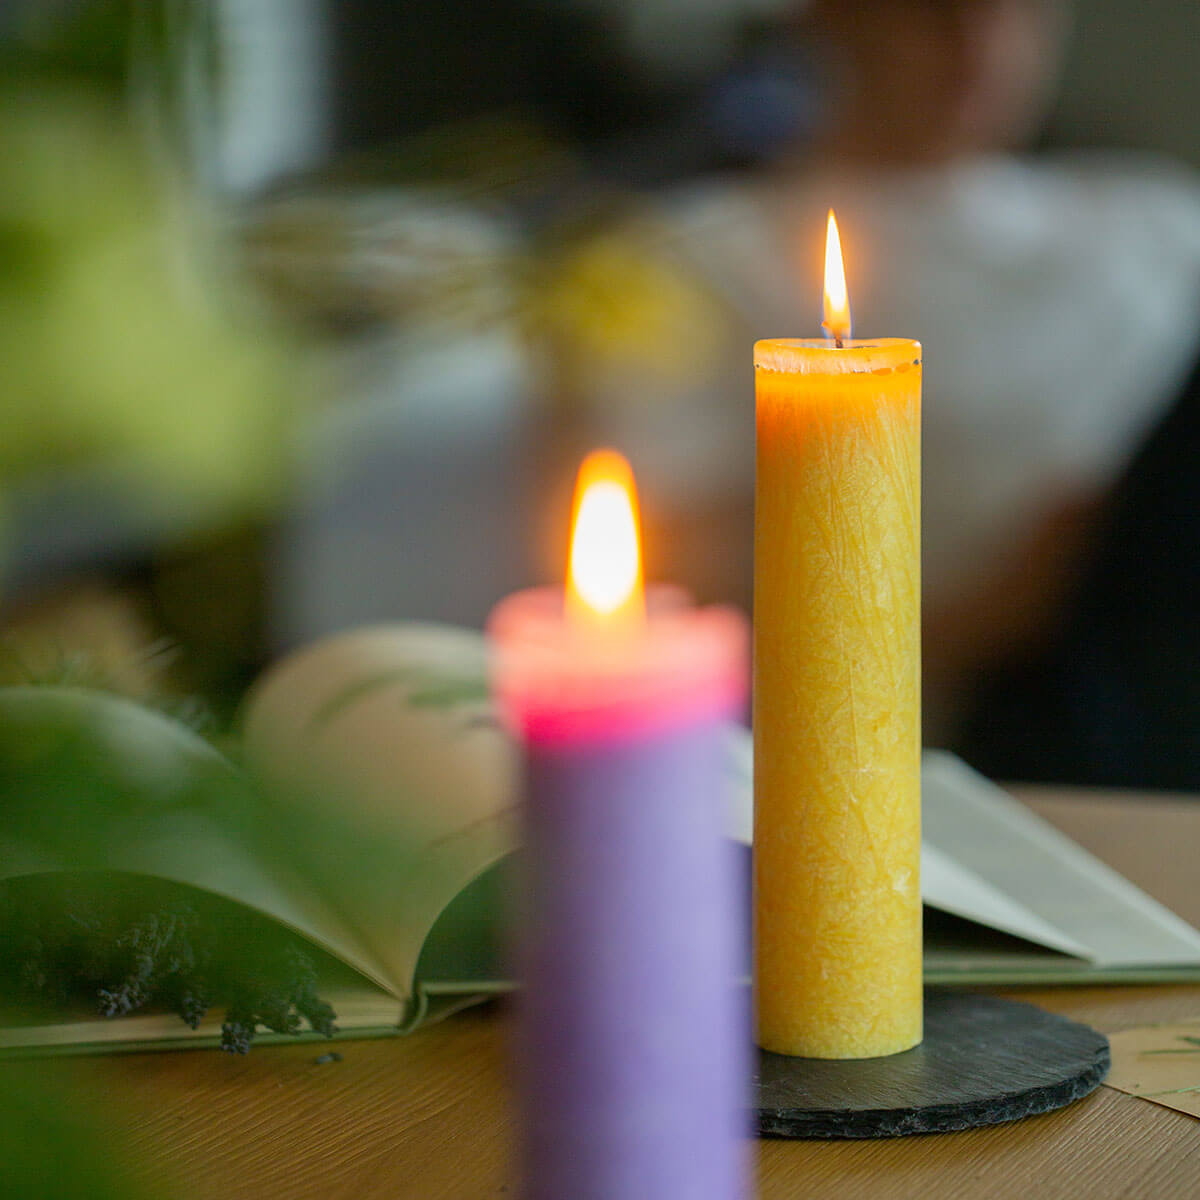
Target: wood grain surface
(431, 1116)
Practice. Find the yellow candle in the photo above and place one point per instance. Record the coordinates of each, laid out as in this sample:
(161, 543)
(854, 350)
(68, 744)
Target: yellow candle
(837, 697)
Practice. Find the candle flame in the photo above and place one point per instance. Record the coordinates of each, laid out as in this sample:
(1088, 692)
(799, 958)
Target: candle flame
(604, 576)
(836, 322)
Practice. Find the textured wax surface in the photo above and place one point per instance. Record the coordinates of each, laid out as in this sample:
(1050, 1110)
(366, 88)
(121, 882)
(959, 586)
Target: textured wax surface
(633, 1042)
(837, 703)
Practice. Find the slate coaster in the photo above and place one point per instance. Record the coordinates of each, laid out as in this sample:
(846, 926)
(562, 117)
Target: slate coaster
(984, 1060)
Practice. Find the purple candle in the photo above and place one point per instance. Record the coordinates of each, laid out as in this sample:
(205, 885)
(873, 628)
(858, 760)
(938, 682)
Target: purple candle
(633, 1038)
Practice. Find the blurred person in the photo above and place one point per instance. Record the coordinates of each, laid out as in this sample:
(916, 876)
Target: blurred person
(1058, 301)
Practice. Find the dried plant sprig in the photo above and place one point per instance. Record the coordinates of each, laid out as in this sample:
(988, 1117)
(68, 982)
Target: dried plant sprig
(126, 945)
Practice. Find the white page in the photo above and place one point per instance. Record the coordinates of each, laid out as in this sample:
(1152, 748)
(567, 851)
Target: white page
(953, 888)
(982, 828)
(388, 731)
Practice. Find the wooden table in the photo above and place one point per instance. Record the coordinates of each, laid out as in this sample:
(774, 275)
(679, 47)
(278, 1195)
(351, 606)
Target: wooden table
(430, 1116)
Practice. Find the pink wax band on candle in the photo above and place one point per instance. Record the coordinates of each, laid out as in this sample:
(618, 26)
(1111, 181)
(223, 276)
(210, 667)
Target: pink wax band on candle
(563, 683)
(633, 1038)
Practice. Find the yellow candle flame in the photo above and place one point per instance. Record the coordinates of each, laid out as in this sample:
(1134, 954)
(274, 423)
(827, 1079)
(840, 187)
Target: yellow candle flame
(604, 577)
(837, 302)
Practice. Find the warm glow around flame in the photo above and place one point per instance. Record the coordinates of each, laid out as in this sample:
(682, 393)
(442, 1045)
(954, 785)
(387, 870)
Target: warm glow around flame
(837, 303)
(604, 575)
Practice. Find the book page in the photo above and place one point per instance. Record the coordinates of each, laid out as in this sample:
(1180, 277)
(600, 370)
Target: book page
(949, 886)
(387, 736)
(979, 827)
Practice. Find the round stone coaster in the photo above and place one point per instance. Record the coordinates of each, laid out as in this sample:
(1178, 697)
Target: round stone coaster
(983, 1061)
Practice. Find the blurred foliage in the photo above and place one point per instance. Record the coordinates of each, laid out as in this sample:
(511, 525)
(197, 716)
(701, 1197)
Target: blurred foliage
(113, 944)
(118, 352)
(90, 635)
(346, 259)
(209, 595)
(610, 302)
(135, 358)
(589, 293)
(131, 356)
(51, 1148)
(91, 787)
(505, 155)
(87, 42)
(101, 44)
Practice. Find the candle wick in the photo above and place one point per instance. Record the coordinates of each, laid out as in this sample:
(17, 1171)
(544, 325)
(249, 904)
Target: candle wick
(837, 341)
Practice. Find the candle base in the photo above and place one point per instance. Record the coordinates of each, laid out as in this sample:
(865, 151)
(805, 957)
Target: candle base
(984, 1061)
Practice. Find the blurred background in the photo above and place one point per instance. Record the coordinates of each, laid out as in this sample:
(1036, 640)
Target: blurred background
(309, 308)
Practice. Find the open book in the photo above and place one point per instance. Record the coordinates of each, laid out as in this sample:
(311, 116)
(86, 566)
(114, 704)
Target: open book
(381, 746)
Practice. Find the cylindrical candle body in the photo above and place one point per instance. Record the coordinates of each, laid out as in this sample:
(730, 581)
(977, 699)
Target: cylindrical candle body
(633, 1033)
(837, 740)
(633, 1036)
